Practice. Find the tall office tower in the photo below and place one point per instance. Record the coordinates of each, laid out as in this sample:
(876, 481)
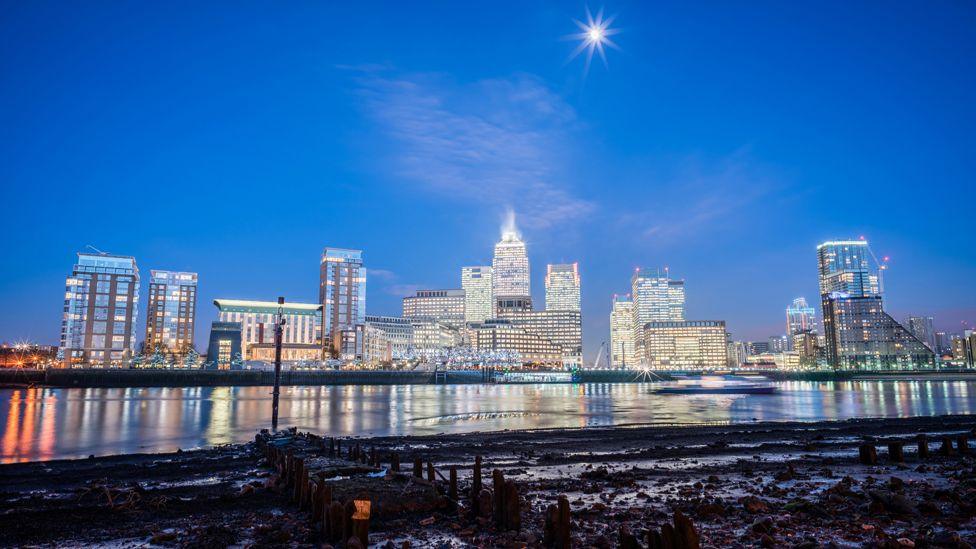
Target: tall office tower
(342, 293)
(921, 327)
(943, 344)
(622, 352)
(656, 298)
(101, 304)
(479, 301)
(686, 345)
(510, 267)
(444, 306)
(800, 317)
(300, 336)
(172, 311)
(563, 287)
(858, 333)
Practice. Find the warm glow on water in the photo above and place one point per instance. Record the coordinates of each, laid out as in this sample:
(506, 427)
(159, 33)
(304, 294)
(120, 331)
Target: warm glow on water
(41, 424)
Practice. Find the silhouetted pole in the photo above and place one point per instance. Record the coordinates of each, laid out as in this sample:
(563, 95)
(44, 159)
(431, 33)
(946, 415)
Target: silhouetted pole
(279, 322)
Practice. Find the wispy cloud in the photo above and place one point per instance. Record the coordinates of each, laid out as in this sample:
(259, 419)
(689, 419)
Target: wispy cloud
(389, 283)
(499, 142)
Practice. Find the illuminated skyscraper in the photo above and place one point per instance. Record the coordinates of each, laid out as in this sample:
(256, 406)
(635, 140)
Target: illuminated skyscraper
(800, 317)
(172, 311)
(563, 287)
(922, 328)
(342, 293)
(510, 266)
(859, 334)
(101, 304)
(479, 302)
(622, 352)
(657, 298)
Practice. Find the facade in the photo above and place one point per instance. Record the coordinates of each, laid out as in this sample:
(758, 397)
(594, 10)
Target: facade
(398, 331)
(479, 300)
(757, 348)
(686, 345)
(943, 344)
(508, 305)
(738, 353)
(172, 311)
(779, 344)
(101, 304)
(510, 267)
(859, 334)
(800, 317)
(563, 287)
(342, 294)
(445, 306)
(563, 328)
(622, 350)
(302, 328)
(430, 334)
(922, 328)
(964, 349)
(224, 348)
(806, 347)
(656, 298)
(497, 335)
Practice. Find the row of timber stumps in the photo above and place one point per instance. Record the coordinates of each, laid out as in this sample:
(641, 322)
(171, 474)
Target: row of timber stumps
(347, 523)
(868, 451)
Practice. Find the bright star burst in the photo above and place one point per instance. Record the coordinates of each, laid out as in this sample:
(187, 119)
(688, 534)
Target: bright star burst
(595, 37)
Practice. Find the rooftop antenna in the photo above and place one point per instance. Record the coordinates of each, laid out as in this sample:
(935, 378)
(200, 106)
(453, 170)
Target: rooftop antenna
(99, 252)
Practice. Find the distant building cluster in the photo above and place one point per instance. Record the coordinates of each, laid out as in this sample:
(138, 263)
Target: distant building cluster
(489, 320)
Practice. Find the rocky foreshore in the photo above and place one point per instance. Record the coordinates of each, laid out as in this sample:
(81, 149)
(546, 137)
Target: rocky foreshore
(763, 484)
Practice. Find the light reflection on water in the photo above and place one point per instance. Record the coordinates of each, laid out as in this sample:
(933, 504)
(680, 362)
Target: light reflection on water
(46, 423)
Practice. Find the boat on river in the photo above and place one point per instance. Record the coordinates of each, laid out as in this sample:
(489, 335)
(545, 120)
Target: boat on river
(718, 385)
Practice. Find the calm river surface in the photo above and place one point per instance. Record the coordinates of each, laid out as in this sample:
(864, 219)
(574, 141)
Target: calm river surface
(40, 424)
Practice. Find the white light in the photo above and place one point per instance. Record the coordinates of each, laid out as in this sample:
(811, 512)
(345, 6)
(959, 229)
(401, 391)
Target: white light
(594, 38)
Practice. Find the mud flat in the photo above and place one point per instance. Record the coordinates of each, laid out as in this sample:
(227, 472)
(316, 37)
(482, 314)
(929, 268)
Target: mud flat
(856, 483)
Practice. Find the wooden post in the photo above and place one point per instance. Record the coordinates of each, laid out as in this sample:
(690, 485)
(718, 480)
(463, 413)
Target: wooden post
(498, 497)
(430, 472)
(923, 446)
(559, 537)
(360, 521)
(452, 489)
(896, 452)
(513, 507)
(627, 540)
(476, 485)
(395, 462)
(962, 442)
(335, 522)
(332, 447)
(299, 469)
(946, 448)
(347, 526)
(418, 467)
(868, 454)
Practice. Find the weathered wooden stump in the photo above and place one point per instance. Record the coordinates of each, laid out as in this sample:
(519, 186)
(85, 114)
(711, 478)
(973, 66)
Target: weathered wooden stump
(896, 452)
(867, 454)
(513, 507)
(923, 446)
(418, 466)
(395, 462)
(476, 486)
(680, 535)
(627, 539)
(452, 487)
(334, 530)
(431, 477)
(946, 448)
(962, 443)
(498, 497)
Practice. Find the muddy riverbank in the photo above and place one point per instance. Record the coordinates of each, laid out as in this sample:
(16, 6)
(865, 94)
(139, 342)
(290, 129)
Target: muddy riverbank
(764, 484)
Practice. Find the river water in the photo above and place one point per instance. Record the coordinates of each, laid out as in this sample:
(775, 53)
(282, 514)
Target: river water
(45, 423)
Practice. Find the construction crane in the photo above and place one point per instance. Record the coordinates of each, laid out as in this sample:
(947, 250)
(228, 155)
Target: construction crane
(599, 354)
(882, 266)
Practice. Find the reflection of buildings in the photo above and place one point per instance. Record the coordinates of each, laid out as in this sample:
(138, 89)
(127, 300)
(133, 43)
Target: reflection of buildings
(686, 345)
(859, 333)
(301, 332)
(172, 311)
(100, 309)
(622, 351)
(342, 294)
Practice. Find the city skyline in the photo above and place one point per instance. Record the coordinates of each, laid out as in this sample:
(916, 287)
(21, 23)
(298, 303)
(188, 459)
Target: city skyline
(694, 148)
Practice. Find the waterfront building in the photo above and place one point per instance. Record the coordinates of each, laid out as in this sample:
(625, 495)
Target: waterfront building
(757, 348)
(301, 333)
(779, 344)
(562, 328)
(859, 334)
(430, 334)
(224, 348)
(922, 328)
(444, 306)
(398, 331)
(943, 344)
(806, 347)
(686, 345)
(479, 300)
(800, 317)
(657, 298)
(622, 350)
(498, 335)
(510, 267)
(342, 294)
(562, 287)
(964, 349)
(172, 312)
(101, 303)
(738, 353)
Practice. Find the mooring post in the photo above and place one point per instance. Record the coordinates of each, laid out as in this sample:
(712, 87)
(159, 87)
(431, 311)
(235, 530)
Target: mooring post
(923, 446)
(279, 322)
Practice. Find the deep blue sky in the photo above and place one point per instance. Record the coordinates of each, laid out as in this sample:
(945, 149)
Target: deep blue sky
(725, 140)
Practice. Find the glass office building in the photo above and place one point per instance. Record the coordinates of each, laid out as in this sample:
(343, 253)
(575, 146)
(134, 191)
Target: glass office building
(444, 306)
(510, 267)
(686, 345)
(563, 287)
(479, 300)
(342, 293)
(657, 298)
(101, 304)
(172, 312)
(622, 350)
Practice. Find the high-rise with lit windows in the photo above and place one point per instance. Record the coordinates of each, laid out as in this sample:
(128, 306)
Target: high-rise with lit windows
(479, 300)
(101, 303)
(657, 298)
(342, 293)
(562, 287)
(444, 306)
(172, 311)
(622, 351)
(510, 267)
(800, 317)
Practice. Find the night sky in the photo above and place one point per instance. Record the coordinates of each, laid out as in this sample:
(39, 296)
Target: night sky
(723, 140)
